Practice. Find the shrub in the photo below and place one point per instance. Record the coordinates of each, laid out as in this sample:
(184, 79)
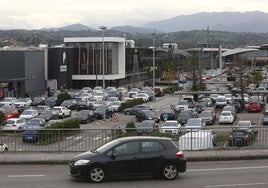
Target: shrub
(62, 97)
(47, 135)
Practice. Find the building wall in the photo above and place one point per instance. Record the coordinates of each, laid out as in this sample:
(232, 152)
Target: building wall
(35, 73)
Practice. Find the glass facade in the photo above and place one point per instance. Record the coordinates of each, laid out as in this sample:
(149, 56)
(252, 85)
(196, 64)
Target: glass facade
(88, 59)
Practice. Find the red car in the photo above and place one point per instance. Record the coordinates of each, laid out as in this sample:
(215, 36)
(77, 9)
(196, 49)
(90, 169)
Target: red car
(254, 107)
(10, 112)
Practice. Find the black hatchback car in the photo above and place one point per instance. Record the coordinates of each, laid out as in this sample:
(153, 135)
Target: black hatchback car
(128, 157)
(146, 115)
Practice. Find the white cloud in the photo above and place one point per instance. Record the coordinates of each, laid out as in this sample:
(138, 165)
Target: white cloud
(35, 14)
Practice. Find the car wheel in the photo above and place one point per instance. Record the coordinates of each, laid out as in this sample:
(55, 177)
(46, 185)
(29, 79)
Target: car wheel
(62, 116)
(170, 171)
(96, 174)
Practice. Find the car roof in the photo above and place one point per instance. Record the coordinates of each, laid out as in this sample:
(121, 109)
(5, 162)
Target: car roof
(137, 138)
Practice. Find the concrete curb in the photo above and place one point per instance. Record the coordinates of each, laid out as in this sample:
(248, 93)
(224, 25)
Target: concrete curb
(53, 158)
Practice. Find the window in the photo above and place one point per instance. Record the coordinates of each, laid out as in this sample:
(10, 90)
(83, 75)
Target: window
(127, 148)
(151, 146)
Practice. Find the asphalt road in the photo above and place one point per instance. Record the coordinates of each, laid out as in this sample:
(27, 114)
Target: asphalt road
(231, 174)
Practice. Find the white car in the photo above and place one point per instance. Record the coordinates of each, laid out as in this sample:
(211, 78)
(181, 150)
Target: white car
(245, 125)
(3, 147)
(62, 111)
(226, 117)
(171, 127)
(14, 124)
(143, 96)
(115, 105)
(8, 101)
(182, 105)
(29, 114)
(23, 102)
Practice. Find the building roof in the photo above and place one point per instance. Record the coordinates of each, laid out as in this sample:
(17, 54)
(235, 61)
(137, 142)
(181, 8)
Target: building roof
(237, 51)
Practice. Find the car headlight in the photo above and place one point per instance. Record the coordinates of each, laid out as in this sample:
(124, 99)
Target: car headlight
(81, 162)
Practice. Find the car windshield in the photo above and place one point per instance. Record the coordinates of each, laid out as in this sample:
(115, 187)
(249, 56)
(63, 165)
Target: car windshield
(193, 122)
(170, 124)
(225, 114)
(27, 112)
(243, 124)
(183, 102)
(146, 124)
(205, 114)
(106, 146)
(185, 113)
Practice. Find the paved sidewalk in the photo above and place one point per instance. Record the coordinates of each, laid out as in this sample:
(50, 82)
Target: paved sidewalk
(63, 157)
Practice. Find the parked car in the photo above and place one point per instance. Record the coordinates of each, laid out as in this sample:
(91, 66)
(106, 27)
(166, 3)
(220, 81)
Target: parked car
(71, 104)
(40, 108)
(29, 114)
(239, 138)
(254, 107)
(38, 101)
(51, 101)
(265, 118)
(10, 112)
(14, 124)
(35, 122)
(85, 116)
(143, 96)
(208, 117)
(170, 127)
(226, 117)
(237, 106)
(23, 102)
(184, 115)
(146, 127)
(104, 109)
(116, 105)
(146, 115)
(48, 115)
(221, 101)
(109, 160)
(3, 147)
(168, 114)
(135, 109)
(194, 124)
(8, 101)
(231, 109)
(83, 105)
(62, 111)
(181, 105)
(246, 125)
(159, 92)
(30, 134)
(199, 106)
(53, 121)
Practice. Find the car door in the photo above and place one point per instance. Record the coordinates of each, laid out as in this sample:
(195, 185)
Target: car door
(151, 157)
(123, 159)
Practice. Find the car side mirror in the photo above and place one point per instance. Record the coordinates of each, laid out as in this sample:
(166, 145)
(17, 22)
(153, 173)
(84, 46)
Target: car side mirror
(113, 156)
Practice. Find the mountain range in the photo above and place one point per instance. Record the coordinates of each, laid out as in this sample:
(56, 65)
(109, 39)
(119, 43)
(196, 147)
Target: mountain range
(253, 22)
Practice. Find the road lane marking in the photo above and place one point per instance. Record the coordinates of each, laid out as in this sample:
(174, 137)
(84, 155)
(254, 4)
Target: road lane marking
(235, 185)
(26, 176)
(220, 169)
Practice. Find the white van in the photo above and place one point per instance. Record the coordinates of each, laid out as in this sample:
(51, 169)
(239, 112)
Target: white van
(202, 139)
(221, 101)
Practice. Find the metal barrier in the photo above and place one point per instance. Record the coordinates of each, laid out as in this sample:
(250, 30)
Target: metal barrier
(89, 139)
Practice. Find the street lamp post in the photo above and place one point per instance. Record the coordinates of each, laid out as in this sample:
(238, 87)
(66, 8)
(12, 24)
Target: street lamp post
(153, 68)
(103, 28)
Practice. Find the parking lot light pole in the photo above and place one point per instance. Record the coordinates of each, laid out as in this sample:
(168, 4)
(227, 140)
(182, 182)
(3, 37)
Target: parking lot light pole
(153, 67)
(103, 28)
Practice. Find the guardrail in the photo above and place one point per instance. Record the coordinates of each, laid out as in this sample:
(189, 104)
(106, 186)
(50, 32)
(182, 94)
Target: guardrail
(88, 139)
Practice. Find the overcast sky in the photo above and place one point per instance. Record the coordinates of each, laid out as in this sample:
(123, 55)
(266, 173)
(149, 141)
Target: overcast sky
(37, 14)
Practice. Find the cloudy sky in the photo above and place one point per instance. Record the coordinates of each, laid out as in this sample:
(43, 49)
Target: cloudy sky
(36, 14)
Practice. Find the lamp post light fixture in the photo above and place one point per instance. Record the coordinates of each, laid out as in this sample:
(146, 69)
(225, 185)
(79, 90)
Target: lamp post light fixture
(153, 67)
(103, 28)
